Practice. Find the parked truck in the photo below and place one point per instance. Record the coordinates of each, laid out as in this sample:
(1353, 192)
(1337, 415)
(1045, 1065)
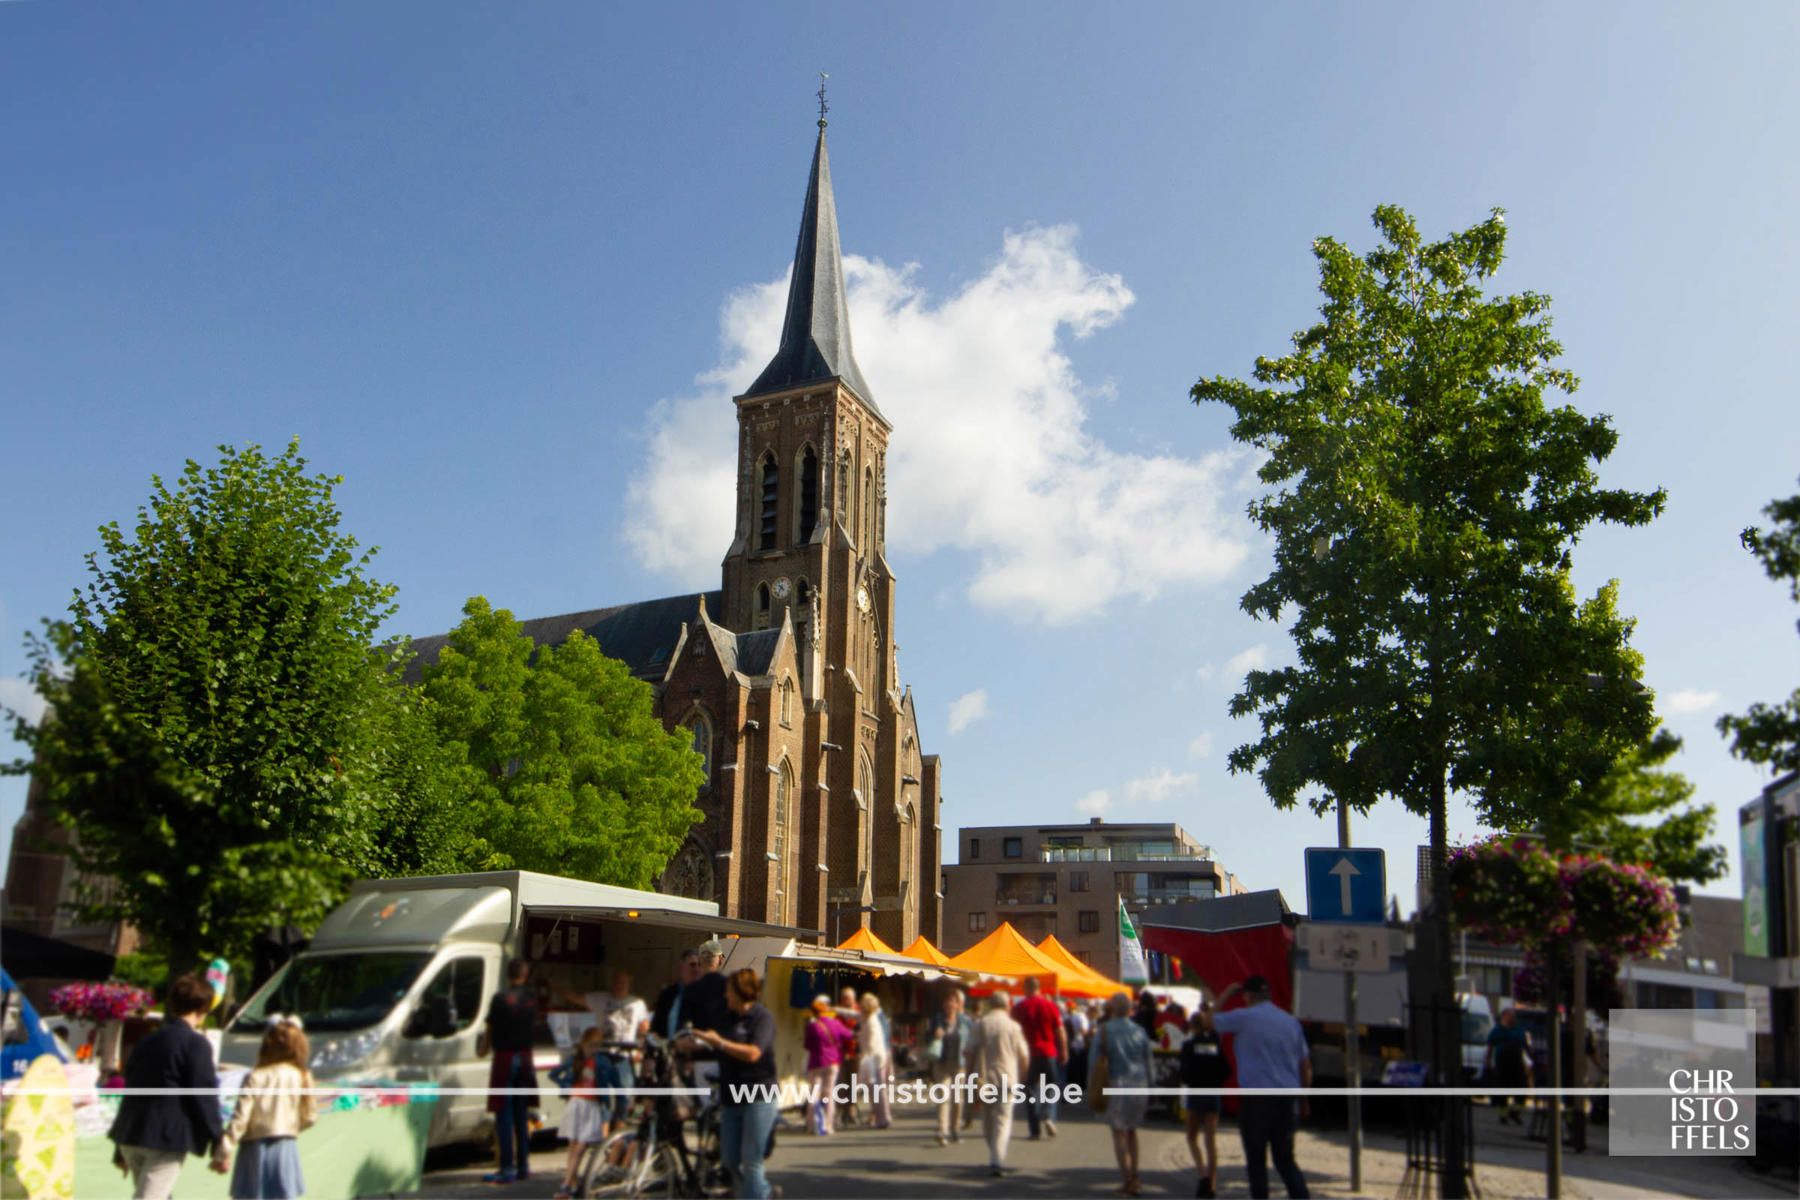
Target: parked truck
(395, 984)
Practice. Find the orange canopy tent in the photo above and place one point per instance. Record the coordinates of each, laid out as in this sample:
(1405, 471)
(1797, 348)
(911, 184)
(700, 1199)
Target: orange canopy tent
(868, 943)
(1057, 952)
(924, 951)
(1005, 952)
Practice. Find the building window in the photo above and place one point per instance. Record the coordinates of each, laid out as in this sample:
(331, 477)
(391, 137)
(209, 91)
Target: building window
(761, 620)
(845, 502)
(702, 731)
(1088, 921)
(868, 508)
(771, 493)
(974, 848)
(977, 922)
(809, 493)
(1012, 848)
(1078, 881)
(1086, 957)
(784, 785)
(787, 702)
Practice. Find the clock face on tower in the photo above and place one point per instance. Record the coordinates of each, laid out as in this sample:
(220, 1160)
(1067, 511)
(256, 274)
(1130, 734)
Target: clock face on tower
(862, 598)
(781, 589)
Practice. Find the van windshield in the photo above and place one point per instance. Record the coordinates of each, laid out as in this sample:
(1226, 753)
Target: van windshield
(335, 992)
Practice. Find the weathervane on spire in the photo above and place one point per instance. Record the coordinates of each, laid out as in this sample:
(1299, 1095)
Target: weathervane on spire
(823, 107)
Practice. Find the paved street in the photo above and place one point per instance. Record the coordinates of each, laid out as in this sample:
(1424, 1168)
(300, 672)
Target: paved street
(905, 1161)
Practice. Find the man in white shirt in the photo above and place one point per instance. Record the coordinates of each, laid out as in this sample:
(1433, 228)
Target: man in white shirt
(623, 1020)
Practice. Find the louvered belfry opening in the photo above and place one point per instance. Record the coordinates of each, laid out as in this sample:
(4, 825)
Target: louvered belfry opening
(771, 491)
(809, 493)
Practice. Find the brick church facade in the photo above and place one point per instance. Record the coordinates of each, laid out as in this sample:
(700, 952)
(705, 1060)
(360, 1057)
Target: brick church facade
(821, 807)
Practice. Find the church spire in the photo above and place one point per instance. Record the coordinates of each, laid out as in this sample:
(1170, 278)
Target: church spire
(815, 337)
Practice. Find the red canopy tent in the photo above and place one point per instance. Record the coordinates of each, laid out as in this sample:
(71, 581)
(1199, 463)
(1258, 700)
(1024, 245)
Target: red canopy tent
(1227, 940)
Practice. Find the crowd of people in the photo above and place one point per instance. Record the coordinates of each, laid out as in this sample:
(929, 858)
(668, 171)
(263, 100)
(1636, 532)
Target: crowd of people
(1011, 1054)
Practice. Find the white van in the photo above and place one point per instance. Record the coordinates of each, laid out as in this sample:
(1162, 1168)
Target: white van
(395, 984)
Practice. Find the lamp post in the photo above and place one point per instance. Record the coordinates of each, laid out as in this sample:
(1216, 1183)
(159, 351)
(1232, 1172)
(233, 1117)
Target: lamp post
(837, 920)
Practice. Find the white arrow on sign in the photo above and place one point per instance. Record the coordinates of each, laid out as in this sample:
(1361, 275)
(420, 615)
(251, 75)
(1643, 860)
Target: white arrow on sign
(1344, 871)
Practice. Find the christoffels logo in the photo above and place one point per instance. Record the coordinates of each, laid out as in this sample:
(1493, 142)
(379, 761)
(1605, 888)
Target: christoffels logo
(1705, 1057)
(1707, 1116)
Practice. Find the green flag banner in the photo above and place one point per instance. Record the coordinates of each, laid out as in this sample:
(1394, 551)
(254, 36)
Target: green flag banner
(1132, 968)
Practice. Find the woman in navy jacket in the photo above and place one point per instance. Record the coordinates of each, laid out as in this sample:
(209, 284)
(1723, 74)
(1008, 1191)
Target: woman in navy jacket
(156, 1133)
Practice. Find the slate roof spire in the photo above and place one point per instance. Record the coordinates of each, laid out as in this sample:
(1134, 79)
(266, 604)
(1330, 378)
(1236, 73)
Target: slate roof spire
(815, 337)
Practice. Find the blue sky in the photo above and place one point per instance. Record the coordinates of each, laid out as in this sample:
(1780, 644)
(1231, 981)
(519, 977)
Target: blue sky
(501, 267)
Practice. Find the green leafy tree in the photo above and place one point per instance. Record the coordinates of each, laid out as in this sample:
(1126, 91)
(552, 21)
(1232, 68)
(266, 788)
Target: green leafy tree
(1635, 815)
(222, 738)
(1425, 499)
(560, 762)
(1769, 734)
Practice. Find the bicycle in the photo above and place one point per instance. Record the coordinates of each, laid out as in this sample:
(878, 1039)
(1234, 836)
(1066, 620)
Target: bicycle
(654, 1158)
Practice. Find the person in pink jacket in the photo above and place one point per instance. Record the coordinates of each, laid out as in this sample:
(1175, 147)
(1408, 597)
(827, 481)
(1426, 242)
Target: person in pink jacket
(828, 1040)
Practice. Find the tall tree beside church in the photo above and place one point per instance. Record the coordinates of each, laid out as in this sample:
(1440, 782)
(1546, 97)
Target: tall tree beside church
(560, 762)
(222, 737)
(1425, 499)
(1769, 734)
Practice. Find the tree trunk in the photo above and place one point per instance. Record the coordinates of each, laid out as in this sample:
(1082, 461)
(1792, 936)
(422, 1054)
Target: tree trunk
(184, 959)
(1447, 1053)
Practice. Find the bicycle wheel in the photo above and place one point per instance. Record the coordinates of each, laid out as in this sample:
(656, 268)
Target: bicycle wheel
(661, 1175)
(607, 1166)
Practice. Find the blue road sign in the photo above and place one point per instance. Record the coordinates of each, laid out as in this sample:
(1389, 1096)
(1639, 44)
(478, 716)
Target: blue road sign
(1348, 885)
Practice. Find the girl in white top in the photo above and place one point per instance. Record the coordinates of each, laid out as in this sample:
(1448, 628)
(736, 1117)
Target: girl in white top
(874, 1057)
(275, 1105)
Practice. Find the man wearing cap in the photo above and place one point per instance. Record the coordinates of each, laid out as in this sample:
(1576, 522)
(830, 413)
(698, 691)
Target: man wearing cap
(704, 1006)
(1271, 1052)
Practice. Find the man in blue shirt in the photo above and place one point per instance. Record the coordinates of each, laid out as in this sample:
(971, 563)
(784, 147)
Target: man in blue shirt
(1271, 1052)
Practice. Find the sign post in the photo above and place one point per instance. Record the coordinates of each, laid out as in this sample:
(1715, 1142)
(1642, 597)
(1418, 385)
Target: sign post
(1349, 886)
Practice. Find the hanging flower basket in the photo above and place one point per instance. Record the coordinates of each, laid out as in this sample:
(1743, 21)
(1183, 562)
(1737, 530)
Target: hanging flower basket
(1513, 893)
(100, 1002)
(1507, 891)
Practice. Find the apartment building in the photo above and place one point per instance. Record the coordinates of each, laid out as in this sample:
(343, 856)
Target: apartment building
(1067, 880)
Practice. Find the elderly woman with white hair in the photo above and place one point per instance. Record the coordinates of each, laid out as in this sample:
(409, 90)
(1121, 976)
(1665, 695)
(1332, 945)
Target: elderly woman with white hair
(874, 1058)
(1121, 1057)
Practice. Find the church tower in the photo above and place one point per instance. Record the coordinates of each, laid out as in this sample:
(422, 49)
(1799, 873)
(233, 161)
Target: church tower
(808, 552)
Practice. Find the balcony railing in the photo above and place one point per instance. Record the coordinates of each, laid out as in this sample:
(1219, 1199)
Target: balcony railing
(1025, 897)
(1073, 854)
(1168, 895)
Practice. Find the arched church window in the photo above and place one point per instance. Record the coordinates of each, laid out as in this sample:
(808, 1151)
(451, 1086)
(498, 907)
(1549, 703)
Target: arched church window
(865, 778)
(701, 728)
(761, 620)
(787, 701)
(846, 508)
(809, 493)
(784, 787)
(867, 537)
(909, 842)
(771, 493)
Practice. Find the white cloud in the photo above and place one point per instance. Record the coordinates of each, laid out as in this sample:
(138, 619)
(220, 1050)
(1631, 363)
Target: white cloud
(1253, 659)
(991, 455)
(1201, 746)
(1154, 789)
(967, 709)
(18, 695)
(1094, 804)
(1688, 701)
